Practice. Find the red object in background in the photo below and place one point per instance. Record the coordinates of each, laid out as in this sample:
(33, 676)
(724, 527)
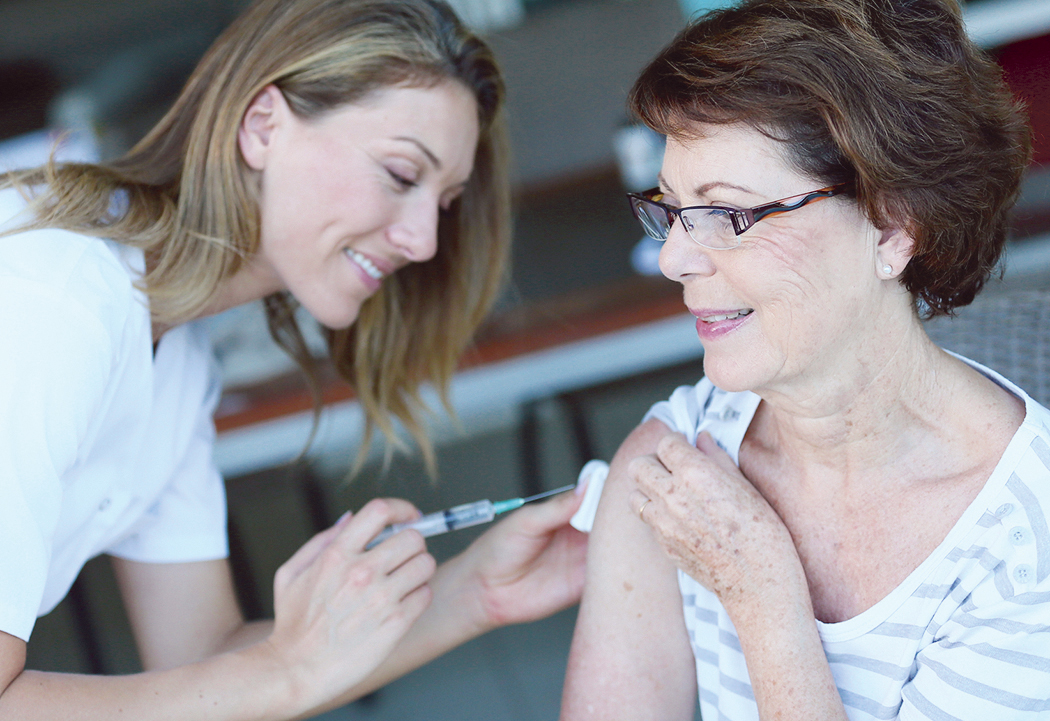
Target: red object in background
(1026, 68)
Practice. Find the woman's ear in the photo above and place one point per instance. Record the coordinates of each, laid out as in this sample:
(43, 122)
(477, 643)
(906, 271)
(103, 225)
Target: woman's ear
(895, 249)
(255, 134)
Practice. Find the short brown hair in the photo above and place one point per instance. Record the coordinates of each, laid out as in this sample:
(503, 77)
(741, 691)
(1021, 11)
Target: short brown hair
(887, 95)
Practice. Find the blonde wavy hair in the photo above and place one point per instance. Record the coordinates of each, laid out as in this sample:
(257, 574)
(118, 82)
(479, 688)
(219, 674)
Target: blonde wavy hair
(191, 203)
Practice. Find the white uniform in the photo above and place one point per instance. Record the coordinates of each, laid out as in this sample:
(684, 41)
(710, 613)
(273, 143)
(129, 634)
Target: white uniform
(965, 636)
(104, 448)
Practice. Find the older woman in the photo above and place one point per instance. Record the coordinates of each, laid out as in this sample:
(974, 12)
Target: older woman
(853, 519)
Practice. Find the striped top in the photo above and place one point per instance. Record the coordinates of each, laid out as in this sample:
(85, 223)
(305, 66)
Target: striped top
(965, 636)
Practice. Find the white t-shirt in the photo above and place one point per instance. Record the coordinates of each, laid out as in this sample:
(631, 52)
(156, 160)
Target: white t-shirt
(104, 448)
(965, 636)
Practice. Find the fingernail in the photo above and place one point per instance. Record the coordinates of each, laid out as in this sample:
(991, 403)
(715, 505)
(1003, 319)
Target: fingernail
(343, 517)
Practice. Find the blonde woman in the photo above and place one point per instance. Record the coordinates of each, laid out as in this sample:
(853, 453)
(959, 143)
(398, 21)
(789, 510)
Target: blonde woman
(345, 155)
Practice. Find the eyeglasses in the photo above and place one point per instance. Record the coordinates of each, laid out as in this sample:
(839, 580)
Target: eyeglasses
(715, 226)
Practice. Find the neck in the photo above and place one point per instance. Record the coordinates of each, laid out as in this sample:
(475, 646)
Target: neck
(254, 281)
(869, 410)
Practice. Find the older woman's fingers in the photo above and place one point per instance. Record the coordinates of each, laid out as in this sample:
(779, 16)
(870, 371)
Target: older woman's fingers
(712, 450)
(648, 473)
(674, 452)
(640, 504)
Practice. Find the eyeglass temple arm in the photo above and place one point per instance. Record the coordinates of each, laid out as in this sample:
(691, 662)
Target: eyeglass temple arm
(764, 211)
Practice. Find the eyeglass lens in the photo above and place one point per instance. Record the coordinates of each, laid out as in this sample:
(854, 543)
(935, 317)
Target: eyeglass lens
(656, 221)
(709, 227)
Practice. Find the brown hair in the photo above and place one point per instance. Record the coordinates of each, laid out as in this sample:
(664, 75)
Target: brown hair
(191, 204)
(887, 95)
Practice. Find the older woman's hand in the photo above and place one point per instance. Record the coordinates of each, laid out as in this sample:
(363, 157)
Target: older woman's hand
(712, 522)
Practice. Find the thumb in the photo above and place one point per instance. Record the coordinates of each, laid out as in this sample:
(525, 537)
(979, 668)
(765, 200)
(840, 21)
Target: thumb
(706, 443)
(541, 518)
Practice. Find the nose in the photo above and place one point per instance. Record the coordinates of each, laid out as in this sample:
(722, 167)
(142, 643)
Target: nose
(414, 232)
(680, 257)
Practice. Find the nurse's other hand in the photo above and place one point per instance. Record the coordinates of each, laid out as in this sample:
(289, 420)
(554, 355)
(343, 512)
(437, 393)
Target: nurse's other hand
(712, 522)
(529, 565)
(339, 609)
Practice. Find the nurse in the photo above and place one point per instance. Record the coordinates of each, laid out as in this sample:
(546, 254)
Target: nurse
(342, 155)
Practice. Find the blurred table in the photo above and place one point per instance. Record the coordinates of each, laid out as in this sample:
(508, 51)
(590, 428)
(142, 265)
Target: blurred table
(539, 350)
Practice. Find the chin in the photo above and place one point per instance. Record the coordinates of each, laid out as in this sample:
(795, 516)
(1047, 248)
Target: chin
(730, 374)
(335, 318)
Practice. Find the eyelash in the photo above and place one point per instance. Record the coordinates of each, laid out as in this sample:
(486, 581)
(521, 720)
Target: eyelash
(401, 180)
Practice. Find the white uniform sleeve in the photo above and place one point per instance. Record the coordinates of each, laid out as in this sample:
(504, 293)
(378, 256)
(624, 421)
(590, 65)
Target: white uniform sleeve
(54, 365)
(188, 521)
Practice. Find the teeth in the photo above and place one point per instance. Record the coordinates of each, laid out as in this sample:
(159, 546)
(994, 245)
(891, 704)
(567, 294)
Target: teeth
(728, 316)
(365, 263)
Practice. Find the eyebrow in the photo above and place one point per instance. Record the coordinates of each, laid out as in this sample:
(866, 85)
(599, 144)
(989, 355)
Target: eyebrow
(426, 151)
(707, 187)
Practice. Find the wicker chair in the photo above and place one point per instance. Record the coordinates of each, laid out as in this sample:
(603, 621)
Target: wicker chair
(1009, 332)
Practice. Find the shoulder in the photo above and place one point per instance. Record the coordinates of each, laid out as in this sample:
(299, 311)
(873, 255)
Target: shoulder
(684, 407)
(1027, 459)
(704, 406)
(1002, 562)
(65, 277)
(990, 631)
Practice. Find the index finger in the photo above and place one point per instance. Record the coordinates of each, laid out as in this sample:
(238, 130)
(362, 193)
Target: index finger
(376, 515)
(674, 451)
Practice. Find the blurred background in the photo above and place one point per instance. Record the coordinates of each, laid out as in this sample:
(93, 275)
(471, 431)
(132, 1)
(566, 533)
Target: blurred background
(585, 338)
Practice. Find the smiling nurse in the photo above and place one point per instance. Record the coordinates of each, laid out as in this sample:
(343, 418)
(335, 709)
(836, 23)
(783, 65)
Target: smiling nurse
(341, 155)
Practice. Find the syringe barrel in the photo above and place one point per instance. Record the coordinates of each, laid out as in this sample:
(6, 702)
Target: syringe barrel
(433, 524)
(469, 514)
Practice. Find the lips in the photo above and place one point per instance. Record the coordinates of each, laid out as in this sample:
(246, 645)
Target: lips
(714, 323)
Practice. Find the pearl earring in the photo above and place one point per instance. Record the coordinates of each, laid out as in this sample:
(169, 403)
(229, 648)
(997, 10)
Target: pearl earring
(887, 269)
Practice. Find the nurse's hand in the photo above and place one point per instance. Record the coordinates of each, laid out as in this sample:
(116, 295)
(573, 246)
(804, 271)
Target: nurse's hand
(713, 523)
(339, 609)
(528, 565)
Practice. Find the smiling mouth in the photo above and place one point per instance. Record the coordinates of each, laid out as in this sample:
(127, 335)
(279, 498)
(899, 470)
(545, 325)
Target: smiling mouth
(367, 265)
(727, 316)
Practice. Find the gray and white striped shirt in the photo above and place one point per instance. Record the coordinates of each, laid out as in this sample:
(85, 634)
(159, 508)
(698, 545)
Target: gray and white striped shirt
(965, 637)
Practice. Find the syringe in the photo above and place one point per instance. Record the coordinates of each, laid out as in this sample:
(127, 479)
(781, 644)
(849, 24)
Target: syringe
(469, 514)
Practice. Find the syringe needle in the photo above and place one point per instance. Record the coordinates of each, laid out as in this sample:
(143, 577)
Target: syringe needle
(555, 492)
(469, 514)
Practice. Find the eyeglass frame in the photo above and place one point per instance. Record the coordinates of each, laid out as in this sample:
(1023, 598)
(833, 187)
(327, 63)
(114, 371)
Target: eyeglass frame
(743, 219)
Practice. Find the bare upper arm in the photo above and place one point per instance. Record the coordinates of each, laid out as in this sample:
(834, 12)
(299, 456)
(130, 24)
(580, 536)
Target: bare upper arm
(630, 653)
(179, 612)
(12, 659)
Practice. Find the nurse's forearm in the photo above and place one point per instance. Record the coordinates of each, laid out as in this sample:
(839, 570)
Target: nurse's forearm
(247, 684)
(246, 635)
